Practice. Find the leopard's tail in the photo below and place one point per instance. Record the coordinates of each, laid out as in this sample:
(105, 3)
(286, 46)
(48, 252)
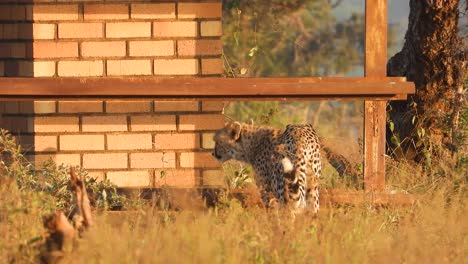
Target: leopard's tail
(341, 164)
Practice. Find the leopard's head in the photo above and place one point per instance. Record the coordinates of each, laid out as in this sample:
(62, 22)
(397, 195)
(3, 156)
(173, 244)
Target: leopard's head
(228, 142)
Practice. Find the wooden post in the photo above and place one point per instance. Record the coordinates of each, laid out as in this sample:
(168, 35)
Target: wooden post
(374, 113)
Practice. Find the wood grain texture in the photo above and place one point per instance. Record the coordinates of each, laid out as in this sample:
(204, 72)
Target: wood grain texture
(250, 197)
(374, 144)
(375, 111)
(251, 88)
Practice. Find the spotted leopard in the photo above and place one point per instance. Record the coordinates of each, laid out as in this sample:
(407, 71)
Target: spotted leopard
(287, 163)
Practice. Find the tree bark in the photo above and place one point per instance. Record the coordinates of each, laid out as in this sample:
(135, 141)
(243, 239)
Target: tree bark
(432, 57)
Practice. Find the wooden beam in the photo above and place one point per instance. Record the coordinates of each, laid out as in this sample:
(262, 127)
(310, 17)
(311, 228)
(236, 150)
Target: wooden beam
(191, 88)
(375, 111)
(188, 197)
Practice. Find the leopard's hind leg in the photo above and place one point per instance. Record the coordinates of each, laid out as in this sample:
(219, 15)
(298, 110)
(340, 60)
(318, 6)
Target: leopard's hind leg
(296, 182)
(315, 166)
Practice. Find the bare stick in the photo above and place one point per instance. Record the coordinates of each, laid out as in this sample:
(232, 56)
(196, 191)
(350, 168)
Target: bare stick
(83, 207)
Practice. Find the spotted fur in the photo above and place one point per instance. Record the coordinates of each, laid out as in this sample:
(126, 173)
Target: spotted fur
(287, 163)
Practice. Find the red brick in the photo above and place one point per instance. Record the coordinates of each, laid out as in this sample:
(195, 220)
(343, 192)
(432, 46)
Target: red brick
(153, 11)
(54, 12)
(128, 67)
(128, 29)
(43, 68)
(27, 143)
(176, 67)
(176, 178)
(25, 68)
(80, 106)
(49, 49)
(80, 68)
(199, 47)
(97, 175)
(105, 161)
(56, 124)
(105, 11)
(198, 160)
(44, 107)
(130, 178)
(212, 66)
(176, 141)
(104, 123)
(26, 107)
(214, 178)
(151, 48)
(14, 50)
(82, 142)
(207, 139)
(67, 159)
(9, 107)
(80, 30)
(152, 160)
(201, 122)
(211, 28)
(15, 31)
(175, 29)
(13, 12)
(153, 123)
(129, 141)
(103, 49)
(45, 143)
(175, 106)
(43, 31)
(199, 10)
(15, 124)
(128, 106)
(213, 105)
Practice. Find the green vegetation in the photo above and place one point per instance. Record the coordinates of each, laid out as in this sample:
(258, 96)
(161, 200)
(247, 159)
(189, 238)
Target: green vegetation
(291, 39)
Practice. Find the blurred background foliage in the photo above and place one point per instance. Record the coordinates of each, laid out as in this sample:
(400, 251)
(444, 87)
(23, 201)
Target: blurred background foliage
(292, 39)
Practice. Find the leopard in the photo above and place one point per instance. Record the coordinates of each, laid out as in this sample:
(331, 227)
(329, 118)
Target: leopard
(287, 164)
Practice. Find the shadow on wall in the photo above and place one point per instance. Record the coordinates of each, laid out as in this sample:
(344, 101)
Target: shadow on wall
(16, 60)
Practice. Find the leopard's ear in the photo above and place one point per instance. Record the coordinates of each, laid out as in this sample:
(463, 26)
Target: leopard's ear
(236, 130)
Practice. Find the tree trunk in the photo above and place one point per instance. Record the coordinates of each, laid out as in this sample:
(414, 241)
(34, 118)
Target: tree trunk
(432, 57)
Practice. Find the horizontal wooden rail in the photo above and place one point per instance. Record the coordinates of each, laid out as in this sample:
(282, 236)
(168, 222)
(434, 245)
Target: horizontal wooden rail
(190, 198)
(206, 88)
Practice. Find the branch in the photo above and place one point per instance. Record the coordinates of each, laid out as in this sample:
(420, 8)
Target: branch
(82, 210)
(61, 232)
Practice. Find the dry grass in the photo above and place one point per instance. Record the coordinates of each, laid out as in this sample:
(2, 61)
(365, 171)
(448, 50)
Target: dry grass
(434, 230)
(431, 232)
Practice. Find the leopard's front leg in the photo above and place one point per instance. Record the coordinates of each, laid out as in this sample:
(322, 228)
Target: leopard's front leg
(269, 180)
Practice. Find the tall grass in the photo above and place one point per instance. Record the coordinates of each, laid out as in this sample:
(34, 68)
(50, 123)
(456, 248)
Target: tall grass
(434, 230)
(26, 195)
(430, 232)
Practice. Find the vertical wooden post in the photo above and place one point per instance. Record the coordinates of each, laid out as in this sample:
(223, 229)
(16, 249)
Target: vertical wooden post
(374, 113)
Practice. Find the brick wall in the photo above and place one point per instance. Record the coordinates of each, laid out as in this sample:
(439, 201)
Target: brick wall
(132, 143)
